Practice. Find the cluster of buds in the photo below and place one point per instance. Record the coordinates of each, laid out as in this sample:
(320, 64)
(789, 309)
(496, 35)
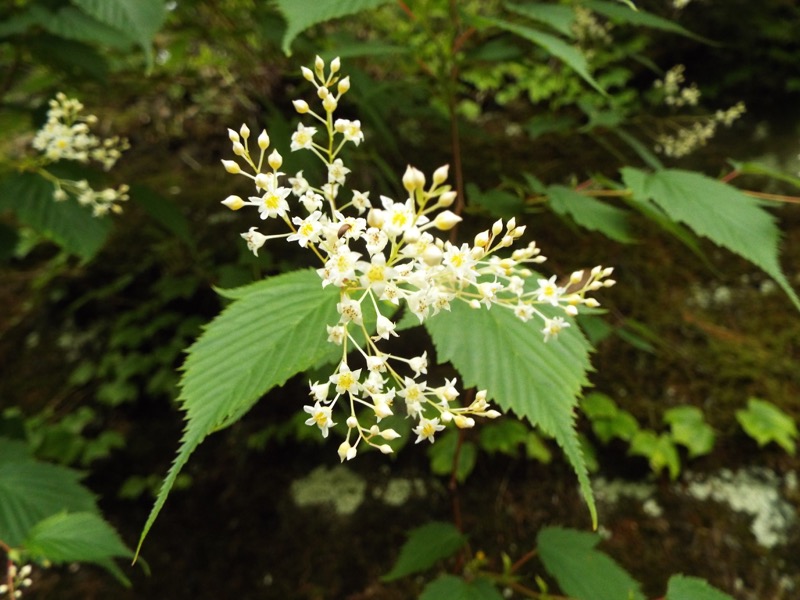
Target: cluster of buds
(67, 136)
(684, 138)
(17, 579)
(385, 255)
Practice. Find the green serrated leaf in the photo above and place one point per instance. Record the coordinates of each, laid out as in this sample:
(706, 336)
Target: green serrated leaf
(717, 211)
(302, 14)
(568, 54)
(425, 546)
(73, 24)
(31, 491)
(537, 380)
(457, 588)
(591, 213)
(557, 16)
(82, 537)
(681, 587)
(582, 571)
(67, 223)
(690, 429)
(765, 423)
(138, 20)
(274, 329)
(620, 14)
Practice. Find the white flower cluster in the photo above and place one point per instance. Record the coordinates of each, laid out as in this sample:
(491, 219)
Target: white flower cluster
(66, 136)
(685, 138)
(18, 580)
(385, 255)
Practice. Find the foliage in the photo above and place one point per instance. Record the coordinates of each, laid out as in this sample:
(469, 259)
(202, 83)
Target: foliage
(46, 514)
(765, 423)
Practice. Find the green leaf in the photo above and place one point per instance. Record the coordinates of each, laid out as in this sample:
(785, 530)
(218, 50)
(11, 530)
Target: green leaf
(555, 46)
(582, 571)
(442, 454)
(137, 20)
(753, 168)
(67, 223)
(425, 546)
(163, 211)
(659, 450)
(31, 491)
(681, 587)
(717, 211)
(591, 213)
(457, 588)
(302, 14)
(690, 429)
(275, 329)
(82, 537)
(608, 420)
(537, 380)
(498, 202)
(73, 24)
(68, 57)
(504, 436)
(620, 14)
(557, 16)
(765, 423)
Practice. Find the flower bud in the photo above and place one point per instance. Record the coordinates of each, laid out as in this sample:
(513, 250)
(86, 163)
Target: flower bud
(591, 303)
(385, 448)
(576, 277)
(571, 310)
(413, 179)
(491, 414)
(447, 199)
(447, 416)
(389, 434)
(511, 224)
(263, 140)
(446, 220)
(474, 303)
(275, 160)
(262, 181)
(233, 136)
(352, 422)
(440, 175)
(307, 73)
(463, 422)
(244, 131)
(344, 451)
(233, 202)
(329, 103)
(344, 85)
(411, 235)
(301, 106)
(319, 65)
(238, 149)
(518, 231)
(231, 166)
(376, 218)
(482, 239)
(336, 65)
(497, 227)
(432, 256)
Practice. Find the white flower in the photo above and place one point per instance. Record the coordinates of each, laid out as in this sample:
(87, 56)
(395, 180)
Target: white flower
(419, 364)
(273, 202)
(426, 429)
(346, 380)
(337, 172)
(299, 184)
(308, 229)
(552, 327)
(360, 201)
(350, 310)
(320, 416)
(385, 328)
(303, 137)
(319, 390)
(549, 291)
(254, 239)
(336, 334)
(350, 129)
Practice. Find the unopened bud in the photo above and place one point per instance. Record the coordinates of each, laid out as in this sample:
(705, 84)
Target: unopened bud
(497, 227)
(385, 448)
(389, 434)
(319, 65)
(301, 106)
(511, 224)
(244, 131)
(491, 414)
(413, 179)
(463, 422)
(262, 181)
(336, 65)
(482, 239)
(275, 160)
(329, 103)
(447, 199)
(432, 256)
(233, 202)
(238, 149)
(231, 166)
(351, 422)
(571, 310)
(307, 73)
(446, 220)
(576, 277)
(376, 218)
(411, 235)
(344, 85)
(233, 136)
(263, 140)
(440, 174)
